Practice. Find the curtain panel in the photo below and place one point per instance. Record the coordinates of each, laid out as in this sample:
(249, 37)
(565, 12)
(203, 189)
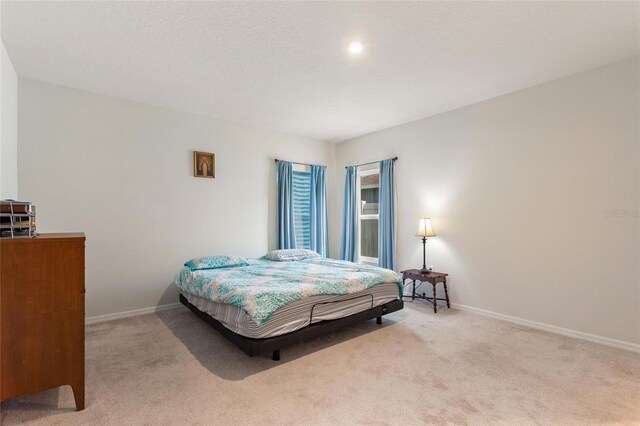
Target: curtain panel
(318, 217)
(349, 243)
(286, 220)
(387, 217)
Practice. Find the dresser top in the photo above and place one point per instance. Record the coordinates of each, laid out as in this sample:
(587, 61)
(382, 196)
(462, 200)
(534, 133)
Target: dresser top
(48, 237)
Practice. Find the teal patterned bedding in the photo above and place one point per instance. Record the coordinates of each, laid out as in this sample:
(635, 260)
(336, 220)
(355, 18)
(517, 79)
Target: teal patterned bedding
(264, 286)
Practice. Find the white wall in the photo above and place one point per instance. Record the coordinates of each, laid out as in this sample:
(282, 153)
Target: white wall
(535, 198)
(122, 172)
(8, 127)
(520, 189)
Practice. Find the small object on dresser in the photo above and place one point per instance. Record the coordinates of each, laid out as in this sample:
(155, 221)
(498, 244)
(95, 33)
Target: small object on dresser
(17, 219)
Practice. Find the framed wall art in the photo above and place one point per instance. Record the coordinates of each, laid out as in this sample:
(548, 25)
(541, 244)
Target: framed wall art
(204, 164)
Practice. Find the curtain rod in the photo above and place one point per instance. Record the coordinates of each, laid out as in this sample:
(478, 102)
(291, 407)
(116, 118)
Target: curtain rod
(301, 164)
(370, 162)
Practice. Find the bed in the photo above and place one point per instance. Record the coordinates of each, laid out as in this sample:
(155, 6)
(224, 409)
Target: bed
(263, 305)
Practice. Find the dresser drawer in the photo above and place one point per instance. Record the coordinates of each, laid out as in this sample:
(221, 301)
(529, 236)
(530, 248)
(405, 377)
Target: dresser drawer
(40, 352)
(41, 277)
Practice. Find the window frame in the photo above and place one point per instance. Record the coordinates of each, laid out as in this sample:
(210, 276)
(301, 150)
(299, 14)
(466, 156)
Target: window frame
(359, 175)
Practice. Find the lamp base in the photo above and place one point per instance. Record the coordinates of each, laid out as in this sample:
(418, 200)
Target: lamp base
(424, 269)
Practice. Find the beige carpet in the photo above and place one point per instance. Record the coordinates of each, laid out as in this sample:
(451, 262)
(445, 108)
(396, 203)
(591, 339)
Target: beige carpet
(417, 368)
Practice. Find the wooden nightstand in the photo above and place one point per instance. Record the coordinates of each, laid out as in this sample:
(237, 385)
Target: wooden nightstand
(431, 277)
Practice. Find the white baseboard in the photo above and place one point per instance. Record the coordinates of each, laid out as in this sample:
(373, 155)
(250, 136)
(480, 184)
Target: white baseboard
(620, 344)
(133, 313)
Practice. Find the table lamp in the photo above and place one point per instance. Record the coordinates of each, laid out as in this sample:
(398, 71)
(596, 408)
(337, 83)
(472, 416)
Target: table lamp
(425, 230)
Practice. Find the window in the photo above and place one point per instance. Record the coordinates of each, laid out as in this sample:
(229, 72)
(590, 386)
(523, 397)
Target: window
(368, 187)
(302, 208)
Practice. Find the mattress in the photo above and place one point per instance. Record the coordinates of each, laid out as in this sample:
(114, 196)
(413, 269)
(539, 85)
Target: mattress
(298, 314)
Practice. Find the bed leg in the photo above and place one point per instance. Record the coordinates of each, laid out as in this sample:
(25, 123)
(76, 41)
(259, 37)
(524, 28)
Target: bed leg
(276, 355)
(379, 320)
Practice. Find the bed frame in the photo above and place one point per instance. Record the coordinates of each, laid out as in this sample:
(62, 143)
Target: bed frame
(253, 347)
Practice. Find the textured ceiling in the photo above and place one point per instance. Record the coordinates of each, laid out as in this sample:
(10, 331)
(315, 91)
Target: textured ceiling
(284, 66)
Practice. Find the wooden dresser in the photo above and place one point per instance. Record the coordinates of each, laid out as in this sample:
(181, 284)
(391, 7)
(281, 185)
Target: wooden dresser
(42, 315)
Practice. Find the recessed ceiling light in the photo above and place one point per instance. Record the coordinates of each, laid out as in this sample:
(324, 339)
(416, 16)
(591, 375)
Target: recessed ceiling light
(356, 47)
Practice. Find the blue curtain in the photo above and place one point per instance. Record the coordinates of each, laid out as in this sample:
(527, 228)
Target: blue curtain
(387, 221)
(349, 244)
(318, 217)
(286, 220)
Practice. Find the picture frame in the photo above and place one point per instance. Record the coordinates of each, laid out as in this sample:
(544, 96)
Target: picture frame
(204, 164)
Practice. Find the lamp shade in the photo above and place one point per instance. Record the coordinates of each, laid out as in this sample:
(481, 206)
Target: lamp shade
(425, 229)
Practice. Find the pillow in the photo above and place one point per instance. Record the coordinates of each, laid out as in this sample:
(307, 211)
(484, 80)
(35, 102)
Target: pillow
(288, 255)
(213, 262)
